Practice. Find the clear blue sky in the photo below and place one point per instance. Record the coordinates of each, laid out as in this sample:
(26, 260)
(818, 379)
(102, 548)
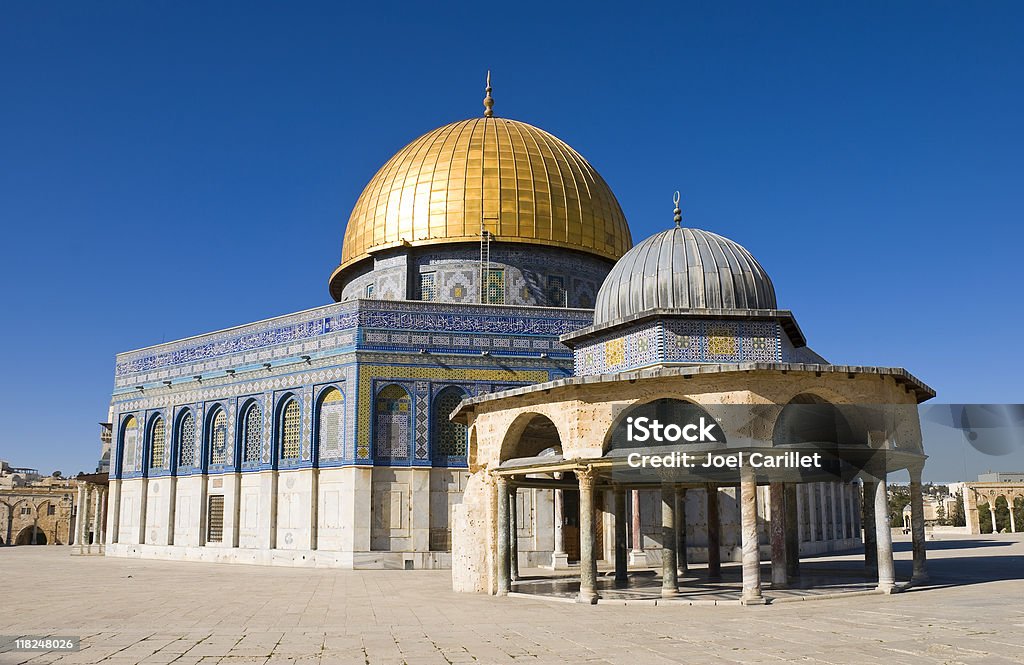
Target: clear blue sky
(172, 168)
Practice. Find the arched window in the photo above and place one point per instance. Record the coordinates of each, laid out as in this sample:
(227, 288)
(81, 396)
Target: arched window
(218, 437)
(129, 444)
(252, 433)
(157, 444)
(393, 428)
(331, 424)
(450, 438)
(187, 440)
(289, 430)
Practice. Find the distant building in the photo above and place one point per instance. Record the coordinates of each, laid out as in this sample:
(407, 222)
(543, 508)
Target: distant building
(103, 465)
(51, 510)
(1001, 495)
(1002, 477)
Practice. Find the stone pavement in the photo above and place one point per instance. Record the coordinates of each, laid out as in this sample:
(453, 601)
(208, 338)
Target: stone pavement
(135, 611)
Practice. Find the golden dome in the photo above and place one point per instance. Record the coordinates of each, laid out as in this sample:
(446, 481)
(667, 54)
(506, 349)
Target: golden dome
(522, 183)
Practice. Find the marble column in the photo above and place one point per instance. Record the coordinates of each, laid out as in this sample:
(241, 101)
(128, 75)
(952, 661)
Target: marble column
(883, 538)
(80, 514)
(777, 507)
(1013, 520)
(843, 504)
(669, 570)
(870, 544)
(96, 522)
(103, 520)
(714, 532)
(749, 541)
(917, 525)
(637, 556)
(826, 533)
(792, 531)
(681, 554)
(838, 512)
(588, 553)
(812, 512)
(502, 562)
(992, 514)
(856, 501)
(621, 554)
(559, 557)
(513, 532)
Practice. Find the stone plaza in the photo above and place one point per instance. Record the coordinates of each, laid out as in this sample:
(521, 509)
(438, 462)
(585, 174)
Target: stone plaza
(150, 611)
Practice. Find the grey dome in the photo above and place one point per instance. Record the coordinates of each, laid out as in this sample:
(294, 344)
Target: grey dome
(683, 269)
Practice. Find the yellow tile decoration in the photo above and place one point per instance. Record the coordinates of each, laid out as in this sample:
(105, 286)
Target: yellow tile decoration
(615, 352)
(721, 342)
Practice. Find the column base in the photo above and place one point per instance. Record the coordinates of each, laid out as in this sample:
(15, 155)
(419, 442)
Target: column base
(920, 578)
(753, 600)
(669, 593)
(559, 561)
(780, 585)
(587, 597)
(887, 588)
(638, 558)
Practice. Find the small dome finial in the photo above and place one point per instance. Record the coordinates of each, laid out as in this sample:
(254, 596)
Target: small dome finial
(677, 213)
(488, 100)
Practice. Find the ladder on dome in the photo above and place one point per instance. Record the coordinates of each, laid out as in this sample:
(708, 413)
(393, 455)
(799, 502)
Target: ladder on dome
(485, 261)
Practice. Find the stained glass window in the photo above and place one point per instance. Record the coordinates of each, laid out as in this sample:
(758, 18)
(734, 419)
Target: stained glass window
(157, 445)
(219, 438)
(556, 291)
(187, 440)
(252, 433)
(392, 429)
(494, 288)
(129, 440)
(290, 430)
(428, 286)
(332, 424)
(449, 437)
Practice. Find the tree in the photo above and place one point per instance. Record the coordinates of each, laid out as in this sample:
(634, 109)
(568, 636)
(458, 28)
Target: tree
(899, 498)
(959, 517)
(940, 514)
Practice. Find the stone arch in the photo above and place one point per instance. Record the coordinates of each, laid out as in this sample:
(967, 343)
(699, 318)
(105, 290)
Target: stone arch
(31, 535)
(686, 403)
(528, 435)
(810, 418)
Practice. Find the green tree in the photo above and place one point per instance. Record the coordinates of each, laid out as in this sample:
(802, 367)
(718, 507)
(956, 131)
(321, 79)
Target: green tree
(899, 497)
(940, 514)
(959, 517)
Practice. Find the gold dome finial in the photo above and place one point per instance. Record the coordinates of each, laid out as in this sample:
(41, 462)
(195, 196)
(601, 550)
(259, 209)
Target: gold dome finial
(677, 214)
(488, 100)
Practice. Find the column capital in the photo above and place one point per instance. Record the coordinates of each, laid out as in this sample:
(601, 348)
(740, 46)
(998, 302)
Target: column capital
(586, 476)
(915, 470)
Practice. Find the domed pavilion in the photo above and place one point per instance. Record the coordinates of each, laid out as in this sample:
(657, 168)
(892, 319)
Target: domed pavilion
(698, 428)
